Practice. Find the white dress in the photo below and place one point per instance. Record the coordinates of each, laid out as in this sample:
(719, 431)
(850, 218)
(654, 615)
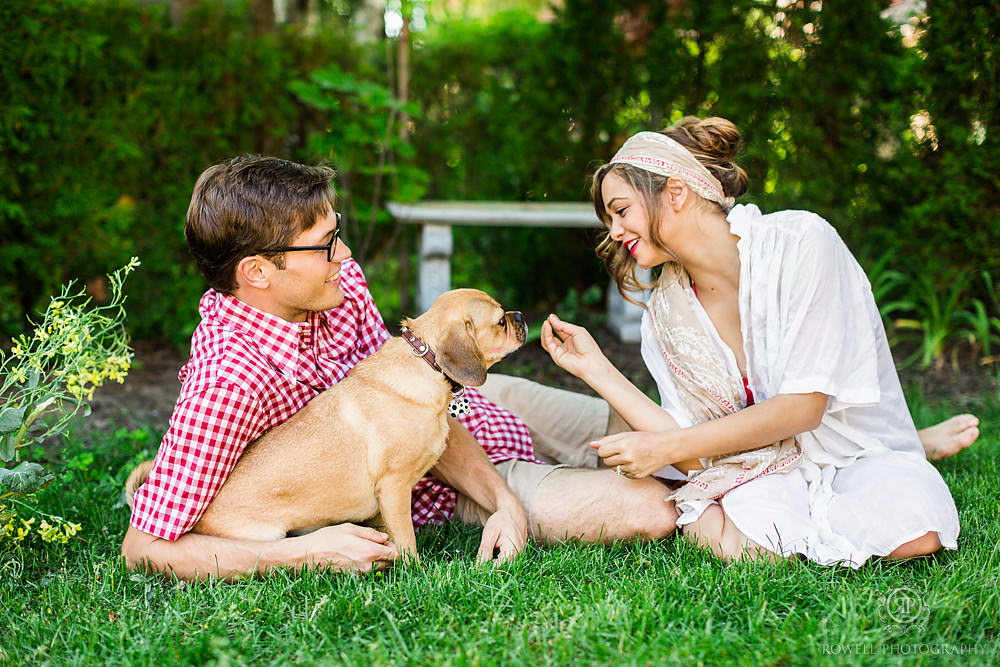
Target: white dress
(810, 324)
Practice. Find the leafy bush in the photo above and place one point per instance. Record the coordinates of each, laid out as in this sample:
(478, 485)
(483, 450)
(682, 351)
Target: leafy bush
(111, 115)
(887, 130)
(827, 98)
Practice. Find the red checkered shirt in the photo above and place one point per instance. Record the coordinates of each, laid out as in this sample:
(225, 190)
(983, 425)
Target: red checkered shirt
(250, 371)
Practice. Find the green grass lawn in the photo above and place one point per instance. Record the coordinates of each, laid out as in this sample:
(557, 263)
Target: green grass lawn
(624, 604)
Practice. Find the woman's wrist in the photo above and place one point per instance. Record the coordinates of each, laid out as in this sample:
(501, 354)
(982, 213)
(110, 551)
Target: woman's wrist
(676, 446)
(600, 373)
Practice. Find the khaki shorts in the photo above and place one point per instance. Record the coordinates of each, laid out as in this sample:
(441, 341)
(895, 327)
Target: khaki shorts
(561, 422)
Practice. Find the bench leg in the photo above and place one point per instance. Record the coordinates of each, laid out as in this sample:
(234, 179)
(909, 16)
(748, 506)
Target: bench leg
(625, 318)
(435, 264)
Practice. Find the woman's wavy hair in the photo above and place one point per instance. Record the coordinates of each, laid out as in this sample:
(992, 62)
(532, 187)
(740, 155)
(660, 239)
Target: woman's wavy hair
(715, 142)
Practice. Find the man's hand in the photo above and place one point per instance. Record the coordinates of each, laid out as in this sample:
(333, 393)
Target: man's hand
(347, 547)
(504, 535)
(464, 467)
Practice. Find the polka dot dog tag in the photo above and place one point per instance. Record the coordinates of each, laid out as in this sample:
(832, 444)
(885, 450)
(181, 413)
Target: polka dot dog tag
(459, 406)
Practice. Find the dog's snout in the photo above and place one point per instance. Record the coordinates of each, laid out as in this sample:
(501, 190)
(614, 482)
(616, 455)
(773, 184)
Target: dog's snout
(520, 326)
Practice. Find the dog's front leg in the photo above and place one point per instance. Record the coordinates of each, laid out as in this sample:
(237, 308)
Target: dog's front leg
(394, 505)
(376, 522)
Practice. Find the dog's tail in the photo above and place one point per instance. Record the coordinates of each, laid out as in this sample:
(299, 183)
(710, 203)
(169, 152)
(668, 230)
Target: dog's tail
(135, 480)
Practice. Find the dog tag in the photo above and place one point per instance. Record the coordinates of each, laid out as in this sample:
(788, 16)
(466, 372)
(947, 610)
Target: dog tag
(459, 406)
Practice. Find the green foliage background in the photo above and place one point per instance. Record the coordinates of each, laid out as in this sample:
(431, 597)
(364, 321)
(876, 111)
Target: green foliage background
(109, 114)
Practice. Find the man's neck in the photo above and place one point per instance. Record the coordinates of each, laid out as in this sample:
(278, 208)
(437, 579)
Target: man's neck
(261, 301)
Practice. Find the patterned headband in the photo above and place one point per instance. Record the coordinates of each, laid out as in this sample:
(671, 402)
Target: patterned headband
(662, 155)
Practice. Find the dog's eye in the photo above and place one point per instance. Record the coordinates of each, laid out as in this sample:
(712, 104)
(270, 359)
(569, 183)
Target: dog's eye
(503, 321)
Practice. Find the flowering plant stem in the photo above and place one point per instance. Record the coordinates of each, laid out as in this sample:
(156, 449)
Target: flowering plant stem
(73, 350)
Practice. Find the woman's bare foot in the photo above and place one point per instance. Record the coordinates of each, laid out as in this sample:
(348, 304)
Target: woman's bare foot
(950, 436)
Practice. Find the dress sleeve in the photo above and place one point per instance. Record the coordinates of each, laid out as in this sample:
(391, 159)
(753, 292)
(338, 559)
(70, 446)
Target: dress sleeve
(208, 431)
(823, 332)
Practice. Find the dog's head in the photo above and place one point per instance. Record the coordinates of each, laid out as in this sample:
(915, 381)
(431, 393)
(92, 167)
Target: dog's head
(469, 332)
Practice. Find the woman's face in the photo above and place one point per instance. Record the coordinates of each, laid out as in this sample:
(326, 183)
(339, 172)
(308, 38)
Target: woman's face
(629, 223)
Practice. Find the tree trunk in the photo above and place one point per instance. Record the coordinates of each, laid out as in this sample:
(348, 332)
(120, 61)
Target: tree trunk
(403, 70)
(369, 21)
(262, 16)
(179, 9)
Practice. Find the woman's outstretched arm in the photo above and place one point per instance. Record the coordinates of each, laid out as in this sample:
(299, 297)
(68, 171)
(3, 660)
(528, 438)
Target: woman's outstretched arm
(642, 454)
(575, 350)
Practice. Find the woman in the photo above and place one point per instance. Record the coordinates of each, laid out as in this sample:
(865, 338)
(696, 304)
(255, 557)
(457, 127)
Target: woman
(779, 396)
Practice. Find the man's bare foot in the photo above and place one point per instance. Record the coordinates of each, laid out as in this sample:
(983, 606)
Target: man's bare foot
(949, 437)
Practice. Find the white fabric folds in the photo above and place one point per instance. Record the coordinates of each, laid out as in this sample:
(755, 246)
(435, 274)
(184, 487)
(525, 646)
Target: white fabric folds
(810, 324)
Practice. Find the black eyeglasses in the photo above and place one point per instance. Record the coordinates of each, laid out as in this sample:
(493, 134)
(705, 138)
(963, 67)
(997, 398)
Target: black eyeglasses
(330, 247)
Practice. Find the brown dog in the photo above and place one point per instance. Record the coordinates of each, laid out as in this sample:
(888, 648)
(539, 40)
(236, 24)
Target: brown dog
(355, 451)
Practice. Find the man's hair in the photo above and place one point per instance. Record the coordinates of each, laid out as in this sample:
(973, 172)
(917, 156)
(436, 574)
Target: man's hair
(249, 206)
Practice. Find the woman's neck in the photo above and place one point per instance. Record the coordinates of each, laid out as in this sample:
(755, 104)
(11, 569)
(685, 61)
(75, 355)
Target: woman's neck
(710, 254)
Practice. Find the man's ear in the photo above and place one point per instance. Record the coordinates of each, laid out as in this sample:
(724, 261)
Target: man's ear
(252, 272)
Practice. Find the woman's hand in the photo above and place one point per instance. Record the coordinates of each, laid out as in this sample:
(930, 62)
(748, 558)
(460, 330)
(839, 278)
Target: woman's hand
(635, 454)
(572, 347)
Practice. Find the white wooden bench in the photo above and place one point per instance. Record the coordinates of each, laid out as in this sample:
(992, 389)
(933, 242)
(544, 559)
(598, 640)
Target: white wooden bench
(438, 217)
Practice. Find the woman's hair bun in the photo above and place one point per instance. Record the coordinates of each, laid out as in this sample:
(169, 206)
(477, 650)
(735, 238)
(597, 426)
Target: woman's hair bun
(715, 142)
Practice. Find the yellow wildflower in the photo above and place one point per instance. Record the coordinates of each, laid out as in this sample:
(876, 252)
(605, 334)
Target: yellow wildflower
(24, 529)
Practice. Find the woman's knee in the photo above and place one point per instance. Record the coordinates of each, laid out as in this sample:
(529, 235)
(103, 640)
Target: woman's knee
(925, 545)
(714, 530)
(706, 531)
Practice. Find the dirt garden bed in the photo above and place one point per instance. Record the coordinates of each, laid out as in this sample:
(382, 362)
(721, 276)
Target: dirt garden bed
(147, 397)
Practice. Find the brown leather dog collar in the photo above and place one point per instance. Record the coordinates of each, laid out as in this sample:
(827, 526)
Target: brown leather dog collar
(421, 349)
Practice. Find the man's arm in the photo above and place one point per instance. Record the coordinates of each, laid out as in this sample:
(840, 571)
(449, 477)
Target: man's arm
(465, 467)
(208, 431)
(197, 557)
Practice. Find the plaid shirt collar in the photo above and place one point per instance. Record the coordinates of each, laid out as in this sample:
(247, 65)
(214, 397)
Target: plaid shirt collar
(279, 340)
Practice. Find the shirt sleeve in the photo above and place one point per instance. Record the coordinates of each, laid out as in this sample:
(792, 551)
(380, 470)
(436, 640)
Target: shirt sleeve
(824, 329)
(208, 431)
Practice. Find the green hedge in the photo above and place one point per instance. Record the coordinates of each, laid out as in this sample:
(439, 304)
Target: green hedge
(111, 114)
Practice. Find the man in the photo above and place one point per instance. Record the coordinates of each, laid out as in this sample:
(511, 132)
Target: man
(288, 315)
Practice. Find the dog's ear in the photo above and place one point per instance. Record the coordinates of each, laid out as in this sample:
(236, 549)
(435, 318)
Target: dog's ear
(459, 357)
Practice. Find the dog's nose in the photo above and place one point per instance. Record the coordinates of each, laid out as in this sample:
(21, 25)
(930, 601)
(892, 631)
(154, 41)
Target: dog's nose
(518, 317)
